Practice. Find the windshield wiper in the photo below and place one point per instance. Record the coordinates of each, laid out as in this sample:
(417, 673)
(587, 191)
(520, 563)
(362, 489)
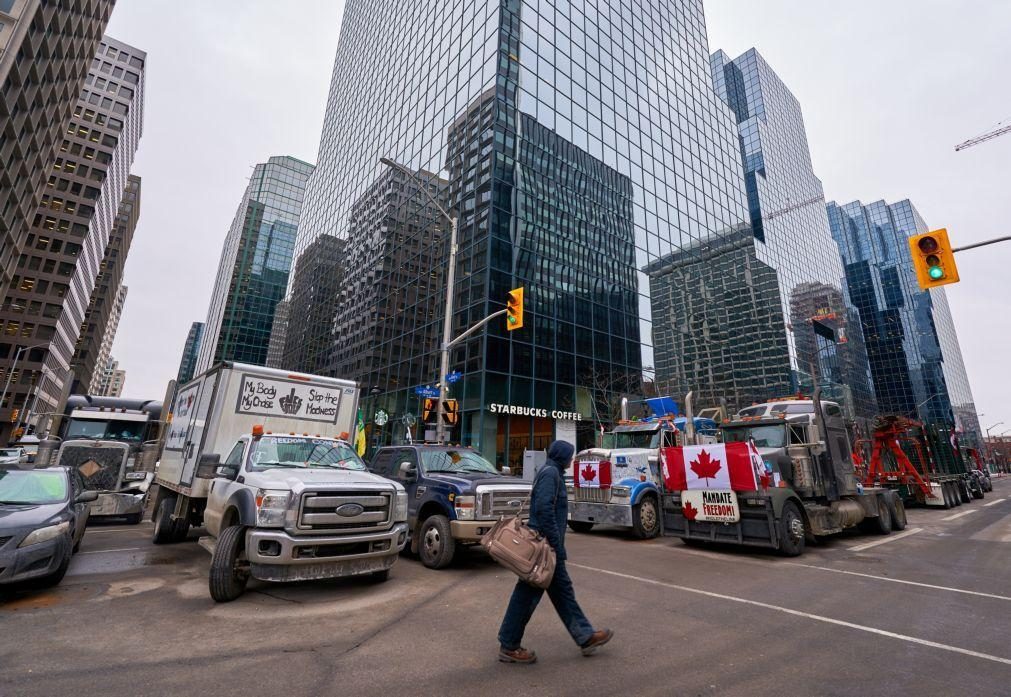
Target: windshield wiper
(289, 465)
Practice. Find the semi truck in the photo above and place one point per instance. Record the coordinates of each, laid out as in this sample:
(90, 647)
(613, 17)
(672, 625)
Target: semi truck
(807, 487)
(114, 444)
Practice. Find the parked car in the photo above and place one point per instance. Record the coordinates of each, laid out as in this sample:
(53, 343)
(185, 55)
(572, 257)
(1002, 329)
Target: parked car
(12, 456)
(43, 515)
(454, 496)
(983, 477)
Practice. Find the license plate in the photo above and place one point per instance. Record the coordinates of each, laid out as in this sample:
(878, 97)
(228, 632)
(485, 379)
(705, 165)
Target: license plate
(710, 505)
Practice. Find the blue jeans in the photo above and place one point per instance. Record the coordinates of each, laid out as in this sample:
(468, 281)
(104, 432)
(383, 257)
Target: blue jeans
(524, 601)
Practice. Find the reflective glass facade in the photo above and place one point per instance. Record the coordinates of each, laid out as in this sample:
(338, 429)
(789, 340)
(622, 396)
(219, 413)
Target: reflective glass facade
(191, 349)
(911, 343)
(255, 263)
(579, 143)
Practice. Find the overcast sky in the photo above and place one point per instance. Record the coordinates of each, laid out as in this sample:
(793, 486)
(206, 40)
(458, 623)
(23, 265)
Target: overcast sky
(888, 89)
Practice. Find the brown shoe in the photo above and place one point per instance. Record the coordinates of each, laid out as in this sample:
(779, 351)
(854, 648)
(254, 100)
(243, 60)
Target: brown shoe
(599, 638)
(520, 655)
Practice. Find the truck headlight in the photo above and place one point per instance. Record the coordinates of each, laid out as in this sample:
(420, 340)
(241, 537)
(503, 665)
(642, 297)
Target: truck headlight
(620, 492)
(464, 507)
(271, 505)
(400, 507)
(45, 534)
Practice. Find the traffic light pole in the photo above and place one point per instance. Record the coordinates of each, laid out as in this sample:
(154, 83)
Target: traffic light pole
(981, 244)
(441, 434)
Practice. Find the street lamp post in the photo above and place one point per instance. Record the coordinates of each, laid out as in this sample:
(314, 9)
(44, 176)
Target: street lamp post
(14, 365)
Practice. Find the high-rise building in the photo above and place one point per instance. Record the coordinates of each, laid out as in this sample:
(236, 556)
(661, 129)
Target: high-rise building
(792, 237)
(110, 379)
(255, 264)
(191, 350)
(48, 297)
(98, 332)
(914, 354)
(578, 147)
(46, 47)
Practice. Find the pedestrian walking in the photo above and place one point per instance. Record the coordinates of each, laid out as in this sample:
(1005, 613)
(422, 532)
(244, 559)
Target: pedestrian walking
(548, 515)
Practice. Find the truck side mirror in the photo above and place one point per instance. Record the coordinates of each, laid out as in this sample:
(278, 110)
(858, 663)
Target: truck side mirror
(506, 469)
(208, 466)
(407, 472)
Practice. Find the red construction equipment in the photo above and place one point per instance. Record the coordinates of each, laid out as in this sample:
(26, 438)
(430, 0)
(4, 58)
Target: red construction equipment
(889, 464)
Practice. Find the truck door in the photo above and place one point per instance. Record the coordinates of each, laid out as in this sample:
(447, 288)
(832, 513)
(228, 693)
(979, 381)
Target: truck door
(198, 424)
(221, 489)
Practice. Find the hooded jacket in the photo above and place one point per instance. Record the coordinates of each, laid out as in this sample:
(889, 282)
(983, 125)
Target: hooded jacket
(549, 502)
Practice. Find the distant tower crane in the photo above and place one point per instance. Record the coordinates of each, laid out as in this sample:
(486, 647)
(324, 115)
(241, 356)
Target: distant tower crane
(1002, 128)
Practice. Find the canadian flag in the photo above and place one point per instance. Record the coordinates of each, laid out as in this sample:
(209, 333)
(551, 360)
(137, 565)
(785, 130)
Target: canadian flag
(591, 474)
(736, 466)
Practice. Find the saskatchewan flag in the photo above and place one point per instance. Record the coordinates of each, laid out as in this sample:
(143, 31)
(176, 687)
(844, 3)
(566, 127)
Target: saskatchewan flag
(360, 435)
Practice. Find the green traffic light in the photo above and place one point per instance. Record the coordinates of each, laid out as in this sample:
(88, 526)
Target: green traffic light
(512, 320)
(936, 272)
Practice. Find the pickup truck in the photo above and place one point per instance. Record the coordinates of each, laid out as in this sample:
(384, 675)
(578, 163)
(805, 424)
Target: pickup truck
(297, 507)
(454, 496)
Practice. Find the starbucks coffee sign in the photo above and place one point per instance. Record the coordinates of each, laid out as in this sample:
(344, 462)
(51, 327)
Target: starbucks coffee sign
(513, 410)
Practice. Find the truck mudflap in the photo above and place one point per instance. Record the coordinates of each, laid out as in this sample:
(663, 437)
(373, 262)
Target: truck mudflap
(757, 526)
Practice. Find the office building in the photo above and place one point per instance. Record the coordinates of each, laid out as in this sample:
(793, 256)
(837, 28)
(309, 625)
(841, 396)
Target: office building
(110, 379)
(98, 333)
(255, 264)
(191, 350)
(46, 48)
(911, 343)
(56, 273)
(577, 151)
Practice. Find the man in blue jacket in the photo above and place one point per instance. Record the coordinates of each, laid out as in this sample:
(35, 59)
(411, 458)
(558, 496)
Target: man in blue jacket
(548, 515)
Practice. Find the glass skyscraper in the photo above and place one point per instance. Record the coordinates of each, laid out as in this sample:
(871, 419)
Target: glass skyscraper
(914, 354)
(578, 143)
(255, 264)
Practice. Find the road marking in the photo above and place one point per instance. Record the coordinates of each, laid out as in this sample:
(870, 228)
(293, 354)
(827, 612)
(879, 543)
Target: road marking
(899, 580)
(890, 538)
(993, 503)
(959, 515)
(798, 613)
(121, 549)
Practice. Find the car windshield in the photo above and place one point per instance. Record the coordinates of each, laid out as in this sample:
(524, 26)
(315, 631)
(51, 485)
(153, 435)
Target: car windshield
(301, 452)
(634, 439)
(106, 429)
(455, 461)
(10, 452)
(764, 436)
(32, 486)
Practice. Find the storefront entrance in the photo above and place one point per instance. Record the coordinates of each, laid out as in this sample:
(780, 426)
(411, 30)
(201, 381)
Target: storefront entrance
(516, 434)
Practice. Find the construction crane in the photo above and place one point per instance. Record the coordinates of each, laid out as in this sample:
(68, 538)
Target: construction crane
(795, 206)
(1002, 128)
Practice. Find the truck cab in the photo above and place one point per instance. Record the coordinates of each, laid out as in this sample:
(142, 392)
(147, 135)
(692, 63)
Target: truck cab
(297, 507)
(454, 496)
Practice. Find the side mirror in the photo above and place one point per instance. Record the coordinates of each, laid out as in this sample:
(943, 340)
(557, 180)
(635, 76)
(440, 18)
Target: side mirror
(229, 472)
(407, 472)
(86, 497)
(208, 465)
(506, 469)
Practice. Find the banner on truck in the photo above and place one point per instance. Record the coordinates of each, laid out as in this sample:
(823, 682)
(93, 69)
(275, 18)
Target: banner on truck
(185, 403)
(733, 466)
(288, 399)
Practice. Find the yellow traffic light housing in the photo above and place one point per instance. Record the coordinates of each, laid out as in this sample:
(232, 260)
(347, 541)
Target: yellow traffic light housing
(14, 415)
(933, 259)
(514, 309)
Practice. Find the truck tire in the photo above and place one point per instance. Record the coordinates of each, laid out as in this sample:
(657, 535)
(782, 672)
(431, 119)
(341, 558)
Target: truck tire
(976, 488)
(436, 545)
(897, 509)
(964, 492)
(883, 526)
(229, 568)
(946, 496)
(792, 531)
(646, 519)
(580, 525)
(164, 529)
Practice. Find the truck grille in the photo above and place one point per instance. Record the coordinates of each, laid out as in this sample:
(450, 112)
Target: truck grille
(501, 502)
(318, 510)
(101, 468)
(593, 495)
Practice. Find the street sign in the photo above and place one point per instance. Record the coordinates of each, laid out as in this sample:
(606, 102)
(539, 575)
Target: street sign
(454, 376)
(426, 391)
(381, 418)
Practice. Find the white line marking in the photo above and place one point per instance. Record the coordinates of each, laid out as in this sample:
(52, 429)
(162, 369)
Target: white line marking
(121, 549)
(899, 580)
(798, 613)
(993, 503)
(890, 538)
(959, 515)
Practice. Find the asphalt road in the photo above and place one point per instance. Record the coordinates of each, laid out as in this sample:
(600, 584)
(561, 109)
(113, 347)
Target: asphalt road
(923, 613)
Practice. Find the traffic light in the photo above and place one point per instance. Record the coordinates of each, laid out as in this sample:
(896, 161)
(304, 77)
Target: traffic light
(933, 259)
(428, 415)
(14, 415)
(451, 412)
(514, 309)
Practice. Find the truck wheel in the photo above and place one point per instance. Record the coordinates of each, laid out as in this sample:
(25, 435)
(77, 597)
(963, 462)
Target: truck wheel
(229, 567)
(180, 530)
(436, 545)
(580, 525)
(897, 509)
(965, 493)
(976, 488)
(945, 496)
(646, 519)
(884, 519)
(792, 531)
(164, 530)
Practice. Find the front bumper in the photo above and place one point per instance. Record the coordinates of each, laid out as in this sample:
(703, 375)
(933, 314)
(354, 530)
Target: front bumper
(601, 513)
(118, 503)
(471, 530)
(274, 555)
(35, 561)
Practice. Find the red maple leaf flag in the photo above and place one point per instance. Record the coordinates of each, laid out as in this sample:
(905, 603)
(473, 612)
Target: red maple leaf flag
(689, 511)
(705, 467)
(588, 473)
(714, 466)
(591, 474)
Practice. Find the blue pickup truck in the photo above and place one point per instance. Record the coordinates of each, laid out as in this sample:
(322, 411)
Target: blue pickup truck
(454, 496)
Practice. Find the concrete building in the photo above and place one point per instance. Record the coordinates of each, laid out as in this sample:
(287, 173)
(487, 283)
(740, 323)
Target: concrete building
(110, 380)
(108, 338)
(46, 47)
(56, 273)
(188, 363)
(255, 263)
